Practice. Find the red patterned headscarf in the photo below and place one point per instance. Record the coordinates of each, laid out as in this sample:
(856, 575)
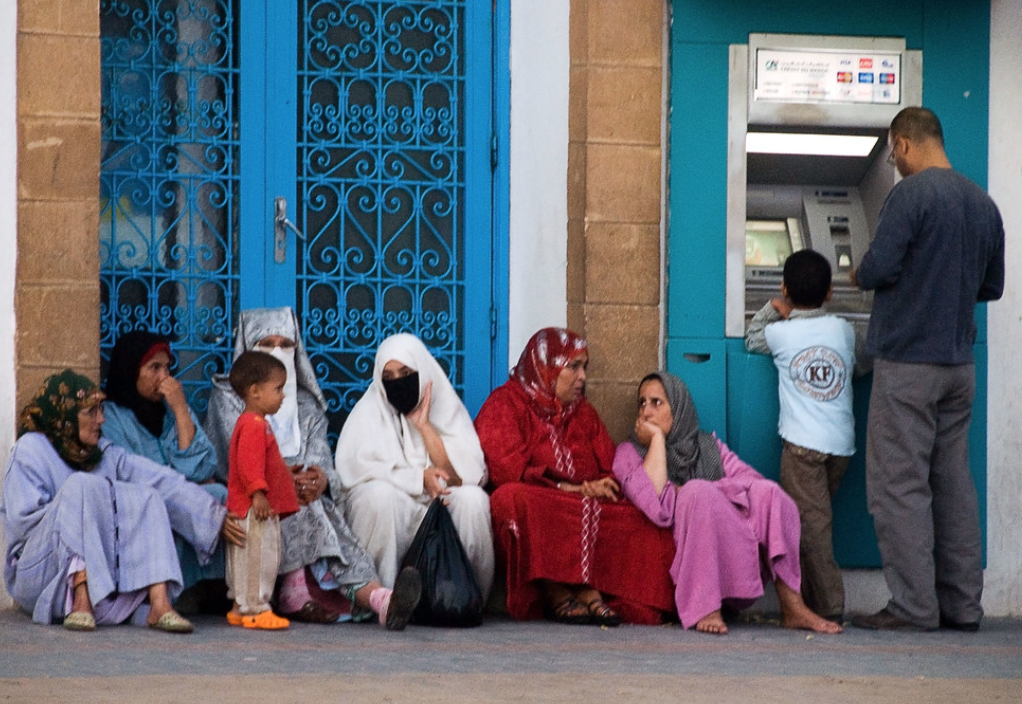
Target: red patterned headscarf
(547, 353)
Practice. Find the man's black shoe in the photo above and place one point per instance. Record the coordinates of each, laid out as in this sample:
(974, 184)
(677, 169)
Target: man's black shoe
(884, 620)
(969, 627)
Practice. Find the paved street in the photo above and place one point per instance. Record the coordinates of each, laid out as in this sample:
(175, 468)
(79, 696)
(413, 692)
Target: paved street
(507, 661)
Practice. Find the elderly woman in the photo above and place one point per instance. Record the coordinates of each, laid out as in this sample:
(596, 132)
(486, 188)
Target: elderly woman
(325, 569)
(147, 413)
(564, 535)
(408, 440)
(89, 524)
(731, 526)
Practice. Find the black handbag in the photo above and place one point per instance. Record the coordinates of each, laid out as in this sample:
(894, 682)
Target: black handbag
(450, 594)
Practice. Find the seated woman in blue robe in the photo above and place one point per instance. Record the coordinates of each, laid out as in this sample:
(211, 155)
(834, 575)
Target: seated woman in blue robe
(147, 413)
(89, 525)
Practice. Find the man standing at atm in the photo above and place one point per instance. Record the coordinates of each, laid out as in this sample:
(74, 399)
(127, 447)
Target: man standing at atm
(938, 250)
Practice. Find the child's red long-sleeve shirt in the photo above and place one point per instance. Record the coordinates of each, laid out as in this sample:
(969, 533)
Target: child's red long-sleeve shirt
(254, 464)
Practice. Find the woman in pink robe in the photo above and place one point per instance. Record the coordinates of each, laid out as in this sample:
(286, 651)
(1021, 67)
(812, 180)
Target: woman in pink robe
(723, 513)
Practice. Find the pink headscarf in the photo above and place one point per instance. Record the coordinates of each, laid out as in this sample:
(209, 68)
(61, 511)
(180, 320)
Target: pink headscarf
(545, 356)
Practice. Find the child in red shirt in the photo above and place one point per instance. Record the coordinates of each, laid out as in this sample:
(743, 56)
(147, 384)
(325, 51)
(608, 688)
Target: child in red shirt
(259, 488)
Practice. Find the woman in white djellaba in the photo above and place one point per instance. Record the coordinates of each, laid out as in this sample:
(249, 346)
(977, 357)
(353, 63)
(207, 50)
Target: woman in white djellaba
(408, 440)
(326, 574)
(89, 525)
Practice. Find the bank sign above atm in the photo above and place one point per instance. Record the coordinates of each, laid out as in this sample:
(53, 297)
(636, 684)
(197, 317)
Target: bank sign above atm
(812, 76)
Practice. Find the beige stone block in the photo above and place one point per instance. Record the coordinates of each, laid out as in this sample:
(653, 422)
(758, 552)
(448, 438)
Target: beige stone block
(626, 32)
(624, 341)
(58, 241)
(623, 183)
(616, 404)
(578, 31)
(77, 17)
(58, 326)
(577, 261)
(625, 105)
(623, 264)
(576, 318)
(578, 101)
(58, 159)
(577, 180)
(58, 75)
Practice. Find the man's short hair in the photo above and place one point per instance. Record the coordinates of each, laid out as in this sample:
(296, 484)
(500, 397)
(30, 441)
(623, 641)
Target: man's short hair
(807, 278)
(252, 368)
(917, 125)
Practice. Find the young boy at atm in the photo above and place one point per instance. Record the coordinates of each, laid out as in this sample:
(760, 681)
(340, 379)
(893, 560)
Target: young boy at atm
(814, 353)
(259, 488)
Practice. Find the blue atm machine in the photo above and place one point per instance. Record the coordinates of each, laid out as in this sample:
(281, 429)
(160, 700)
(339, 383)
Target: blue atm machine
(807, 168)
(744, 77)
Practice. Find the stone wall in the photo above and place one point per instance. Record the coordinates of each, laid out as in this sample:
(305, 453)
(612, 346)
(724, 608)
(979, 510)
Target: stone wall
(57, 289)
(615, 213)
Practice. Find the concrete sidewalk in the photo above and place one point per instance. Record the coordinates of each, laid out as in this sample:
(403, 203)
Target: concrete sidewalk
(507, 661)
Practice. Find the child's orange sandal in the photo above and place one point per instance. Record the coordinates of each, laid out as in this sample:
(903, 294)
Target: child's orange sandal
(265, 621)
(234, 618)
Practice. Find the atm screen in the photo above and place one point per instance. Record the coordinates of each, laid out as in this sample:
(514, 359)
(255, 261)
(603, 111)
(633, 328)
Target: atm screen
(769, 242)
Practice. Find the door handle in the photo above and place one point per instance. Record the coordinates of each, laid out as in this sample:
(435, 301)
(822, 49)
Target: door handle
(281, 225)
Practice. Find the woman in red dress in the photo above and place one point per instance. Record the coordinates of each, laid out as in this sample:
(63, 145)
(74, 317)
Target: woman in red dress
(570, 545)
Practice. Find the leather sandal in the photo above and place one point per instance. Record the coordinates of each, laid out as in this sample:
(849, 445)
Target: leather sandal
(311, 612)
(601, 614)
(571, 611)
(173, 622)
(80, 621)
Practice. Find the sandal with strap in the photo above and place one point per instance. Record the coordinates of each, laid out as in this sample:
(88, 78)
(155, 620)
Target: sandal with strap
(570, 610)
(601, 614)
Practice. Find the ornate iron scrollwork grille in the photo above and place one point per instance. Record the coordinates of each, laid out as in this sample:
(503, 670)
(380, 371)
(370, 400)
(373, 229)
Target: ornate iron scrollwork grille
(169, 183)
(381, 161)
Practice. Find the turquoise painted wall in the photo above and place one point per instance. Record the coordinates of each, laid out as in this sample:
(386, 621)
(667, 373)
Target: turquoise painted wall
(736, 392)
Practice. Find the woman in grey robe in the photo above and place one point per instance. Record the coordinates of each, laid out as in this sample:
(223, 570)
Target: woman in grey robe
(89, 524)
(324, 568)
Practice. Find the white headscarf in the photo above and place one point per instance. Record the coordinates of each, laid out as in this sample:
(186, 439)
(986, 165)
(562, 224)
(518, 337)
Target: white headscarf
(377, 442)
(284, 422)
(259, 323)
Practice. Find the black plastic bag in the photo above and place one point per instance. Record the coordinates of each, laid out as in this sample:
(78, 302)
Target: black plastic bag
(450, 593)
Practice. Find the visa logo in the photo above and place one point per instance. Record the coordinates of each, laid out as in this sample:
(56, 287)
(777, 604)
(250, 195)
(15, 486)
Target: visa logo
(865, 63)
(844, 76)
(865, 78)
(846, 62)
(887, 78)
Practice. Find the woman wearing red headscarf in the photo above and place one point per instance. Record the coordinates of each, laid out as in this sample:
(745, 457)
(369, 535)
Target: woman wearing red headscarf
(571, 546)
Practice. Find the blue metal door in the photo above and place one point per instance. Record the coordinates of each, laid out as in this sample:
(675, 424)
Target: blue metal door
(371, 120)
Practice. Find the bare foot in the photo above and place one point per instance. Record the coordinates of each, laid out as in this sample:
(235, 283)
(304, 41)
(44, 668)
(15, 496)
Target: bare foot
(712, 624)
(795, 614)
(80, 599)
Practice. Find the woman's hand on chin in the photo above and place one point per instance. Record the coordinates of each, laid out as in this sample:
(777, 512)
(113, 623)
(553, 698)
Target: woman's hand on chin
(646, 431)
(419, 417)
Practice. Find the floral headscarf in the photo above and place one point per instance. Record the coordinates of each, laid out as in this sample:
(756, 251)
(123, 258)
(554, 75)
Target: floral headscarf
(129, 355)
(54, 412)
(547, 353)
(691, 453)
